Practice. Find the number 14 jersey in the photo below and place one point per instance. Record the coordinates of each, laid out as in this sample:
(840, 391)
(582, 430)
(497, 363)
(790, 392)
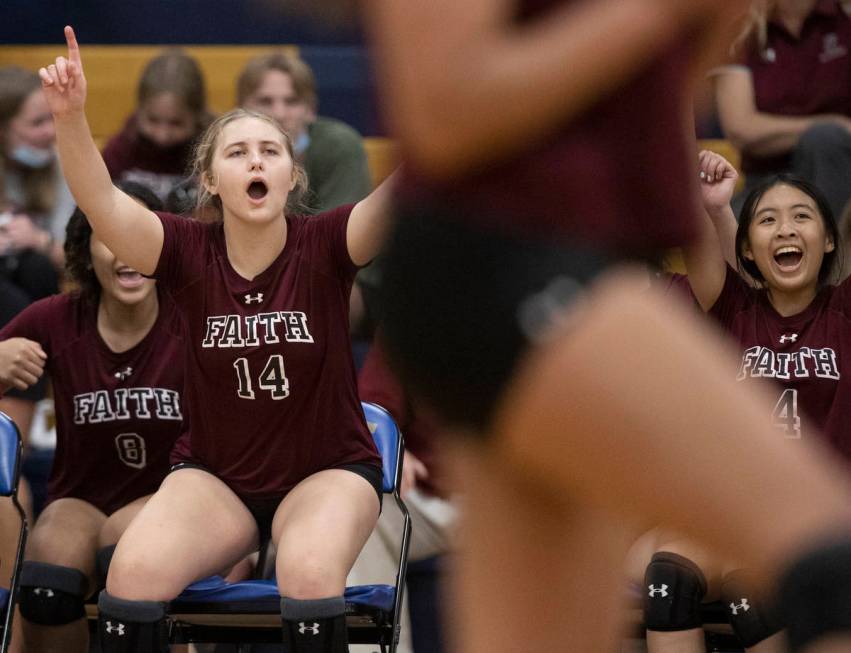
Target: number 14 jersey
(271, 394)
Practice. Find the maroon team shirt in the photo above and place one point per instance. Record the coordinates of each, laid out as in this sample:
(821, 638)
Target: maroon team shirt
(619, 177)
(117, 415)
(801, 76)
(808, 355)
(129, 156)
(271, 392)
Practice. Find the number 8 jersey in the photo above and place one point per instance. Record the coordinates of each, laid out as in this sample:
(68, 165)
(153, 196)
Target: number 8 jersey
(807, 355)
(271, 393)
(117, 414)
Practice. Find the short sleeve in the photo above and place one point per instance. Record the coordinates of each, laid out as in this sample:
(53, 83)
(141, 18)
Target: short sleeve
(186, 244)
(326, 235)
(735, 297)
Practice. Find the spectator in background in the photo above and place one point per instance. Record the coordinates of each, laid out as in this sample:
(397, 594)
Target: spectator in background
(155, 146)
(425, 491)
(283, 86)
(785, 102)
(34, 201)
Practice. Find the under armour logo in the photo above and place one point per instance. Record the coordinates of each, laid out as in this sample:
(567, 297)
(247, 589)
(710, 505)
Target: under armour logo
(124, 374)
(117, 629)
(661, 591)
(255, 299)
(38, 591)
(303, 628)
(792, 337)
(743, 606)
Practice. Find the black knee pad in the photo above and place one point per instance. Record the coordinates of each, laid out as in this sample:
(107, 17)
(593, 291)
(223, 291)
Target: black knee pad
(752, 616)
(51, 595)
(102, 559)
(131, 626)
(315, 625)
(814, 595)
(674, 589)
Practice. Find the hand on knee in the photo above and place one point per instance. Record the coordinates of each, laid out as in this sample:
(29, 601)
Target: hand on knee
(674, 588)
(51, 595)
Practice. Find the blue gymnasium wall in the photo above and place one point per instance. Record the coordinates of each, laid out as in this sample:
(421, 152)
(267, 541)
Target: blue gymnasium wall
(346, 88)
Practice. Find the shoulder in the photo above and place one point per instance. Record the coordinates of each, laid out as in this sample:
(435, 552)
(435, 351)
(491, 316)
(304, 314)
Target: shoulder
(331, 130)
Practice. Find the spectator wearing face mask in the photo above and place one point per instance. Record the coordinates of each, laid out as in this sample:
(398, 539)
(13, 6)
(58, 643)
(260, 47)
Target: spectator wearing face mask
(155, 146)
(34, 201)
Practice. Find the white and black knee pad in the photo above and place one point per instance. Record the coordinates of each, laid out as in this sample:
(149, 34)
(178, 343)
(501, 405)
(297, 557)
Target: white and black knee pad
(131, 626)
(674, 588)
(51, 595)
(314, 625)
(752, 616)
(815, 595)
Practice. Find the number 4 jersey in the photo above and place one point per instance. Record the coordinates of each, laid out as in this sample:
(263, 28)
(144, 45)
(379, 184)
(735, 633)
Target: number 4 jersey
(117, 415)
(807, 355)
(271, 394)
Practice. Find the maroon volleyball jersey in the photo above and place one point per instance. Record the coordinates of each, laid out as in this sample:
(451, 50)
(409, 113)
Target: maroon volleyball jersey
(117, 415)
(808, 355)
(271, 390)
(620, 177)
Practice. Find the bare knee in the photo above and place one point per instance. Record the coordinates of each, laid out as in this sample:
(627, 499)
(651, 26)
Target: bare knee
(137, 574)
(307, 575)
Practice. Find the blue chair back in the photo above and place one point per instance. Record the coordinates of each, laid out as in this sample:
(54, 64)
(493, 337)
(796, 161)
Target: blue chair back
(9, 453)
(386, 435)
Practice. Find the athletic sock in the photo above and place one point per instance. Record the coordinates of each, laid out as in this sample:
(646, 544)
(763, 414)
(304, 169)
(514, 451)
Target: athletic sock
(314, 625)
(131, 626)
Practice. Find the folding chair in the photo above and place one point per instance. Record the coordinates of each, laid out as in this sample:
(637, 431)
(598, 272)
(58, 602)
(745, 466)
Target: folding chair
(212, 610)
(10, 470)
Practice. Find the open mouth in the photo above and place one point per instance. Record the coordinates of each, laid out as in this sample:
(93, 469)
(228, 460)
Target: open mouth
(788, 258)
(129, 278)
(257, 190)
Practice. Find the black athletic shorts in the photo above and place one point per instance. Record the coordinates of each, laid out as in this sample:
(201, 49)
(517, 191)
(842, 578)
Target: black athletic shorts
(461, 304)
(263, 510)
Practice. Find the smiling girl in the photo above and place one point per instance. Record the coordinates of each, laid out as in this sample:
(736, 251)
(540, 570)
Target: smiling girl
(277, 443)
(109, 350)
(792, 329)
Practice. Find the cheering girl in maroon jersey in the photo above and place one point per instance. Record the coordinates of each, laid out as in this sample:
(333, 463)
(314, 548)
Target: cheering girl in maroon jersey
(112, 351)
(792, 326)
(276, 440)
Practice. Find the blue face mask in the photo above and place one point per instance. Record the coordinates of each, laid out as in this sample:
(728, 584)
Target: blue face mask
(35, 158)
(301, 144)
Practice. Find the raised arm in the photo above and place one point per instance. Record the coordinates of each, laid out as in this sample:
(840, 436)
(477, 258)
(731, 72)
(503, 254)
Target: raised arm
(464, 84)
(706, 260)
(133, 233)
(370, 222)
(751, 130)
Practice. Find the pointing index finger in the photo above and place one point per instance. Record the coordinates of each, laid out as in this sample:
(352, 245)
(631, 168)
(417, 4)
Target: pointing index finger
(73, 46)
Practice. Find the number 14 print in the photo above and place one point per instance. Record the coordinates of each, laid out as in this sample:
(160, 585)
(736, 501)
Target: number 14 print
(273, 378)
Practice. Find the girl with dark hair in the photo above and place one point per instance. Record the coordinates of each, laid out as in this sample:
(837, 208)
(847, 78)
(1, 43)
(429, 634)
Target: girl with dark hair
(155, 146)
(112, 350)
(792, 327)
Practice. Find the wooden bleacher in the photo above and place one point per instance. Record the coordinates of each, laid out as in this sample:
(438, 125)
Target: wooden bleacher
(112, 73)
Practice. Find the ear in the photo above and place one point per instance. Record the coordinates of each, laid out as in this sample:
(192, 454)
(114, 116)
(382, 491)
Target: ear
(293, 180)
(829, 245)
(746, 250)
(209, 182)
